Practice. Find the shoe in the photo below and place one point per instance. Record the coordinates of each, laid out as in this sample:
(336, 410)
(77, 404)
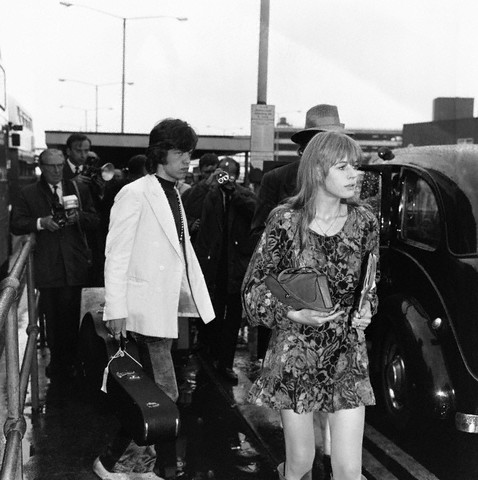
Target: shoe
(101, 471)
(228, 374)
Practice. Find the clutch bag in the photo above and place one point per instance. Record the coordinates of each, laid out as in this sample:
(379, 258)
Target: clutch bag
(301, 288)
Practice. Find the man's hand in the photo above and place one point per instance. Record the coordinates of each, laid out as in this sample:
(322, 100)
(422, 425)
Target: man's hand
(313, 317)
(83, 178)
(361, 320)
(212, 179)
(117, 327)
(48, 223)
(195, 225)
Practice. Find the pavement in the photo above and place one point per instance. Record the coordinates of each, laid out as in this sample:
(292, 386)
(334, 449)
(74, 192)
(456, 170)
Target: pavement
(264, 423)
(227, 439)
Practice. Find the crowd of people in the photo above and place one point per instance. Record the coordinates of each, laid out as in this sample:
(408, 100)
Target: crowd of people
(165, 246)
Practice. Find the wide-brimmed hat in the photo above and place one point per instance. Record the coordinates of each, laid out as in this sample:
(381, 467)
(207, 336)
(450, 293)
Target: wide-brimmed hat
(321, 118)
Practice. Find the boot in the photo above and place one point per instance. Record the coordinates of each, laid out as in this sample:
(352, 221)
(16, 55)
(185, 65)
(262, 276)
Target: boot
(281, 468)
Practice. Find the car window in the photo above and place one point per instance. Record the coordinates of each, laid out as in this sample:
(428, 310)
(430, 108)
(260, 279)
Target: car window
(420, 219)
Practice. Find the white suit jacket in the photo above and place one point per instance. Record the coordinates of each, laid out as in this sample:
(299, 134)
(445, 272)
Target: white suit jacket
(145, 264)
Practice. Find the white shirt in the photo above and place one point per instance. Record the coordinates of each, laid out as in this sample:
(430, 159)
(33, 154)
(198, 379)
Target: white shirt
(73, 166)
(59, 192)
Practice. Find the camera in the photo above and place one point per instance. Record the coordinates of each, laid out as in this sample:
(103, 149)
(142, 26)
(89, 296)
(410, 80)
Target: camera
(226, 181)
(59, 215)
(97, 172)
(223, 177)
(65, 214)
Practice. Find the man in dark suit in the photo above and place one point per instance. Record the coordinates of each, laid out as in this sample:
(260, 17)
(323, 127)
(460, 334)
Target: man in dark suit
(79, 165)
(78, 146)
(60, 258)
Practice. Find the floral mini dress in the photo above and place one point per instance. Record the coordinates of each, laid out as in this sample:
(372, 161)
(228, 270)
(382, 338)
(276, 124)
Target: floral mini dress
(309, 368)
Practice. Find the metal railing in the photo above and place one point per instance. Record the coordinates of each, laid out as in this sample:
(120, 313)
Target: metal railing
(11, 290)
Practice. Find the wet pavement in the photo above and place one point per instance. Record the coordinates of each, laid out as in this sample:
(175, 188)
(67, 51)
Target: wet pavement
(223, 437)
(75, 426)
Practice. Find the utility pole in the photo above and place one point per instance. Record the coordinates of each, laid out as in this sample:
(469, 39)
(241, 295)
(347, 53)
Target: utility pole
(262, 115)
(263, 53)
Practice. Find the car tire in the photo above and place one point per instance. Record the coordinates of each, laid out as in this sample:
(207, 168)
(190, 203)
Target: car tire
(395, 380)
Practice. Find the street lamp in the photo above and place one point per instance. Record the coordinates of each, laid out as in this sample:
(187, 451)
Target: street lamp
(86, 110)
(124, 19)
(96, 85)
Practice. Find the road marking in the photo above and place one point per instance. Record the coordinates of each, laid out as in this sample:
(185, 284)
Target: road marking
(394, 452)
(375, 468)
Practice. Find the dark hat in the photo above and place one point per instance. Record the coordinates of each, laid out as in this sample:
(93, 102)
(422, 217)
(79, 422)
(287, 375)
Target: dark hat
(321, 118)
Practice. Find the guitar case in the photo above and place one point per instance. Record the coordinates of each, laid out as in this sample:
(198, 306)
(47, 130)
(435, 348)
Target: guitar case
(141, 406)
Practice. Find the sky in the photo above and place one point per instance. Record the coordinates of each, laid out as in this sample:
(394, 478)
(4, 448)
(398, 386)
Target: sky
(382, 62)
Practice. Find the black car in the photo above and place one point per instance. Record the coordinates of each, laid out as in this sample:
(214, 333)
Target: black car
(424, 338)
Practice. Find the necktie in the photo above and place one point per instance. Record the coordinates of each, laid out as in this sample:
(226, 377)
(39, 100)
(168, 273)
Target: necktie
(56, 198)
(77, 170)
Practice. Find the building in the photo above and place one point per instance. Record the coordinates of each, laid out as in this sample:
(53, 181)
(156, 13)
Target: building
(452, 123)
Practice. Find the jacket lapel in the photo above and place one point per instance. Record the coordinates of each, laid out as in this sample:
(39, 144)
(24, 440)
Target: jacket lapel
(156, 198)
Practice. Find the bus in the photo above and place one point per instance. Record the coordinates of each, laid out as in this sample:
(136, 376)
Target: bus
(4, 202)
(17, 162)
(21, 159)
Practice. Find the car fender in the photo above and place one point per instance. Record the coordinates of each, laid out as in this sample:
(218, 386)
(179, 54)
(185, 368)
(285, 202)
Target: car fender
(432, 385)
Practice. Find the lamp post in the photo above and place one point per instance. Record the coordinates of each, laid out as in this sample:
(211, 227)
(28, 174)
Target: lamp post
(86, 110)
(96, 85)
(124, 19)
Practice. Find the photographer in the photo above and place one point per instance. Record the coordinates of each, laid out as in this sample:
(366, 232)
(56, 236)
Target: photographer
(224, 247)
(78, 146)
(193, 198)
(60, 258)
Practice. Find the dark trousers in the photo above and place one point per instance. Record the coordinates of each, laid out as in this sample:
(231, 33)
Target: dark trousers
(155, 356)
(61, 308)
(222, 332)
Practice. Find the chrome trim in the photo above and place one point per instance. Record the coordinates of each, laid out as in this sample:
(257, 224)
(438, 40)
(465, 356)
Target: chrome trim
(466, 422)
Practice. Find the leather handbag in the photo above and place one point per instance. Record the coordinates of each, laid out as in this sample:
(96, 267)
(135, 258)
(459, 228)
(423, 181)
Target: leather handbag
(301, 288)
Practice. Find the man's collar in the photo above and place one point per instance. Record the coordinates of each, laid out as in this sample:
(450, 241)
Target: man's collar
(73, 166)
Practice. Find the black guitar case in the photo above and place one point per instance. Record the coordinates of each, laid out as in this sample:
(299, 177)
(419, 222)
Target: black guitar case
(141, 406)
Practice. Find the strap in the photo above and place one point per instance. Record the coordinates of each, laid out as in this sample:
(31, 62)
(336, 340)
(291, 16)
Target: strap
(80, 228)
(120, 353)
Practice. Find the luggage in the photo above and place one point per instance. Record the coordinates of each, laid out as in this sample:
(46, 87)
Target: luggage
(141, 406)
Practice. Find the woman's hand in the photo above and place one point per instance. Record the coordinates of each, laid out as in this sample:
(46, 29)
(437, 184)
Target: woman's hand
(361, 320)
(313, 317)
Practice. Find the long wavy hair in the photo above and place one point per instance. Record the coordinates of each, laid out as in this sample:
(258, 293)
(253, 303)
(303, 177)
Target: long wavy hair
(322, 152)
